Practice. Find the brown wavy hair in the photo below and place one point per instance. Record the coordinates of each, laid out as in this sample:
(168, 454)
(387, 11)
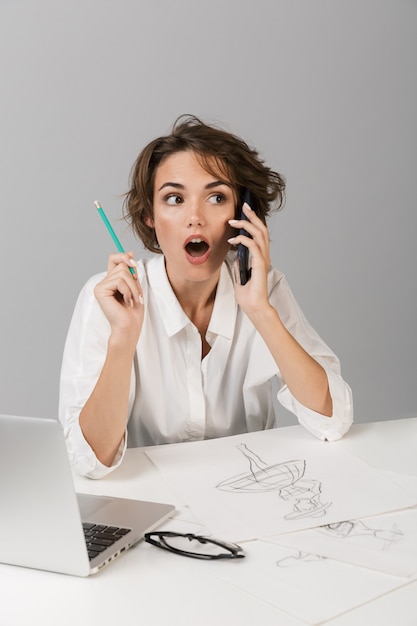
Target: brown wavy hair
(218, 151)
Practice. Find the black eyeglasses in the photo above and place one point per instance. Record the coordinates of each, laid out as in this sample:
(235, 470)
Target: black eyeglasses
(194, 546)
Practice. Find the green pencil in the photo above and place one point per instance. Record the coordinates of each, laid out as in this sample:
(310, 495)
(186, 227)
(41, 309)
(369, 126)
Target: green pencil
(111, 231)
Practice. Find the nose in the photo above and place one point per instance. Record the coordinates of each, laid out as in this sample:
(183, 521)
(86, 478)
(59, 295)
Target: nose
(195, 215)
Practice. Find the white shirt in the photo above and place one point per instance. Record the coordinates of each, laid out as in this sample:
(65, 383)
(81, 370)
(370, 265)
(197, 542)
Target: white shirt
(175, 395)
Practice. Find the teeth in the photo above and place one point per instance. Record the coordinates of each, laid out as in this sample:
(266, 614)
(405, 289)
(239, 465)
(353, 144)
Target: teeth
(196, 240)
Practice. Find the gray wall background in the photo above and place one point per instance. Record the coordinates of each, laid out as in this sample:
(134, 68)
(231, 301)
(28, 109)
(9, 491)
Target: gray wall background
(325, 89)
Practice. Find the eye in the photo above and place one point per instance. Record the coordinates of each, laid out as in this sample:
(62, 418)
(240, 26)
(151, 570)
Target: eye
(172, 199)
(217, 198)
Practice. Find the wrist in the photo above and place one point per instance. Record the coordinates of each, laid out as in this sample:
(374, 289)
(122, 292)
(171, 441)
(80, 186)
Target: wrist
(123, 341)
(264, 316)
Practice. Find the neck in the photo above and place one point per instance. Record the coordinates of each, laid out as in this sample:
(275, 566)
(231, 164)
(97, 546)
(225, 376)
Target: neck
(194, 296)
(197, 301)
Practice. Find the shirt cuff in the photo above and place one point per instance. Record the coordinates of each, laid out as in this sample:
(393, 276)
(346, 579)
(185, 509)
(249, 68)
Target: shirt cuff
(322, 427)
(83, 458)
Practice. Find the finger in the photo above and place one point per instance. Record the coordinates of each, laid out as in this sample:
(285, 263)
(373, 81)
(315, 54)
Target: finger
(122, 261)
(256, 228)
(121, 284)
(251, 215)
(253, 241)
(259, 252)
(130, 296)
(133, 285)
(243, 239)
(119, 258)
(132, 264)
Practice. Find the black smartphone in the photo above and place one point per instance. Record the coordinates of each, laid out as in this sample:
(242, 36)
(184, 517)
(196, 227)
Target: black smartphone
(242, 251)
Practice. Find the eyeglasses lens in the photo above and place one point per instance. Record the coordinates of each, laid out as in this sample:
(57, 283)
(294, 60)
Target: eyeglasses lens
(190, 544)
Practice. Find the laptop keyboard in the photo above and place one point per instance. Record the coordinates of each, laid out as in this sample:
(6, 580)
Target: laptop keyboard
(98, 537)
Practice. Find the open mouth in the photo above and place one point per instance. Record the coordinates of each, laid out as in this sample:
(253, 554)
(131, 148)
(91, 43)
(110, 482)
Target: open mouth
(197, 247)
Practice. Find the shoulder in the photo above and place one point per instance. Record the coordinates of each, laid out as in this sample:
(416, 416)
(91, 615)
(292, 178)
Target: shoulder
(89, 285)
(276, 279)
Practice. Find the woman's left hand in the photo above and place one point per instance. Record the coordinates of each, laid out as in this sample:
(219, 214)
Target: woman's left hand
(253, 297)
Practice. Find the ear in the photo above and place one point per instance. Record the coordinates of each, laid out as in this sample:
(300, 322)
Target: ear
(149, 222)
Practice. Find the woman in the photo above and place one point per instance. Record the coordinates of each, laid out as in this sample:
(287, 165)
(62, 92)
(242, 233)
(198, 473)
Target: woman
(179, 349)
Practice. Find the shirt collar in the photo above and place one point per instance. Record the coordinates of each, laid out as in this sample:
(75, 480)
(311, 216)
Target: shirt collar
(174, 319)
(223, 318)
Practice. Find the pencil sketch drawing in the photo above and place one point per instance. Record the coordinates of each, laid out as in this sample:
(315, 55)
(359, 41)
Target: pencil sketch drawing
(287, 478)
(305, 557)
(380, 538)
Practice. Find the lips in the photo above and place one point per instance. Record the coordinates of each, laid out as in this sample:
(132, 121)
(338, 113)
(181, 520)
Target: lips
(197, 249)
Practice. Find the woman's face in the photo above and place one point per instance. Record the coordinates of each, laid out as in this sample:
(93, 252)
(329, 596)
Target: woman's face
(191, 209)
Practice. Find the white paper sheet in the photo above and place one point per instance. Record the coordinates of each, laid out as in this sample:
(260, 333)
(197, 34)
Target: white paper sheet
(407, 482)
(310, 588)
(387, 543)
(265, 483)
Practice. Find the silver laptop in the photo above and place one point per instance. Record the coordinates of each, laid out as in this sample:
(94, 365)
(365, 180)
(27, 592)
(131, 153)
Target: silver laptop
(44, 524)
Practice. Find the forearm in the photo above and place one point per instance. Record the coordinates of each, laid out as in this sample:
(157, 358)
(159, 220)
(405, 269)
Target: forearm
(304, 377)
(104, 416)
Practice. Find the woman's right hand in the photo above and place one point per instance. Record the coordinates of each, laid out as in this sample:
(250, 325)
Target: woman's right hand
(120, 296)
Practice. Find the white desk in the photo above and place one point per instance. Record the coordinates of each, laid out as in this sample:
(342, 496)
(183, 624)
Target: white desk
(151, 587)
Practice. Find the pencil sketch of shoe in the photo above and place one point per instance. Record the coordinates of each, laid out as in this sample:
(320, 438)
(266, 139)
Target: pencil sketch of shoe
(285, 477)
(380, 537)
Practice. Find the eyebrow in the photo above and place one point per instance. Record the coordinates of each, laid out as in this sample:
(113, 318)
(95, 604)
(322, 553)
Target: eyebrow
(212, 185)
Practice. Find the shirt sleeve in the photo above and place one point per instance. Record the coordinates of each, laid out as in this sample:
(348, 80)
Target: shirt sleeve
(326, 428)
(84, 355)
